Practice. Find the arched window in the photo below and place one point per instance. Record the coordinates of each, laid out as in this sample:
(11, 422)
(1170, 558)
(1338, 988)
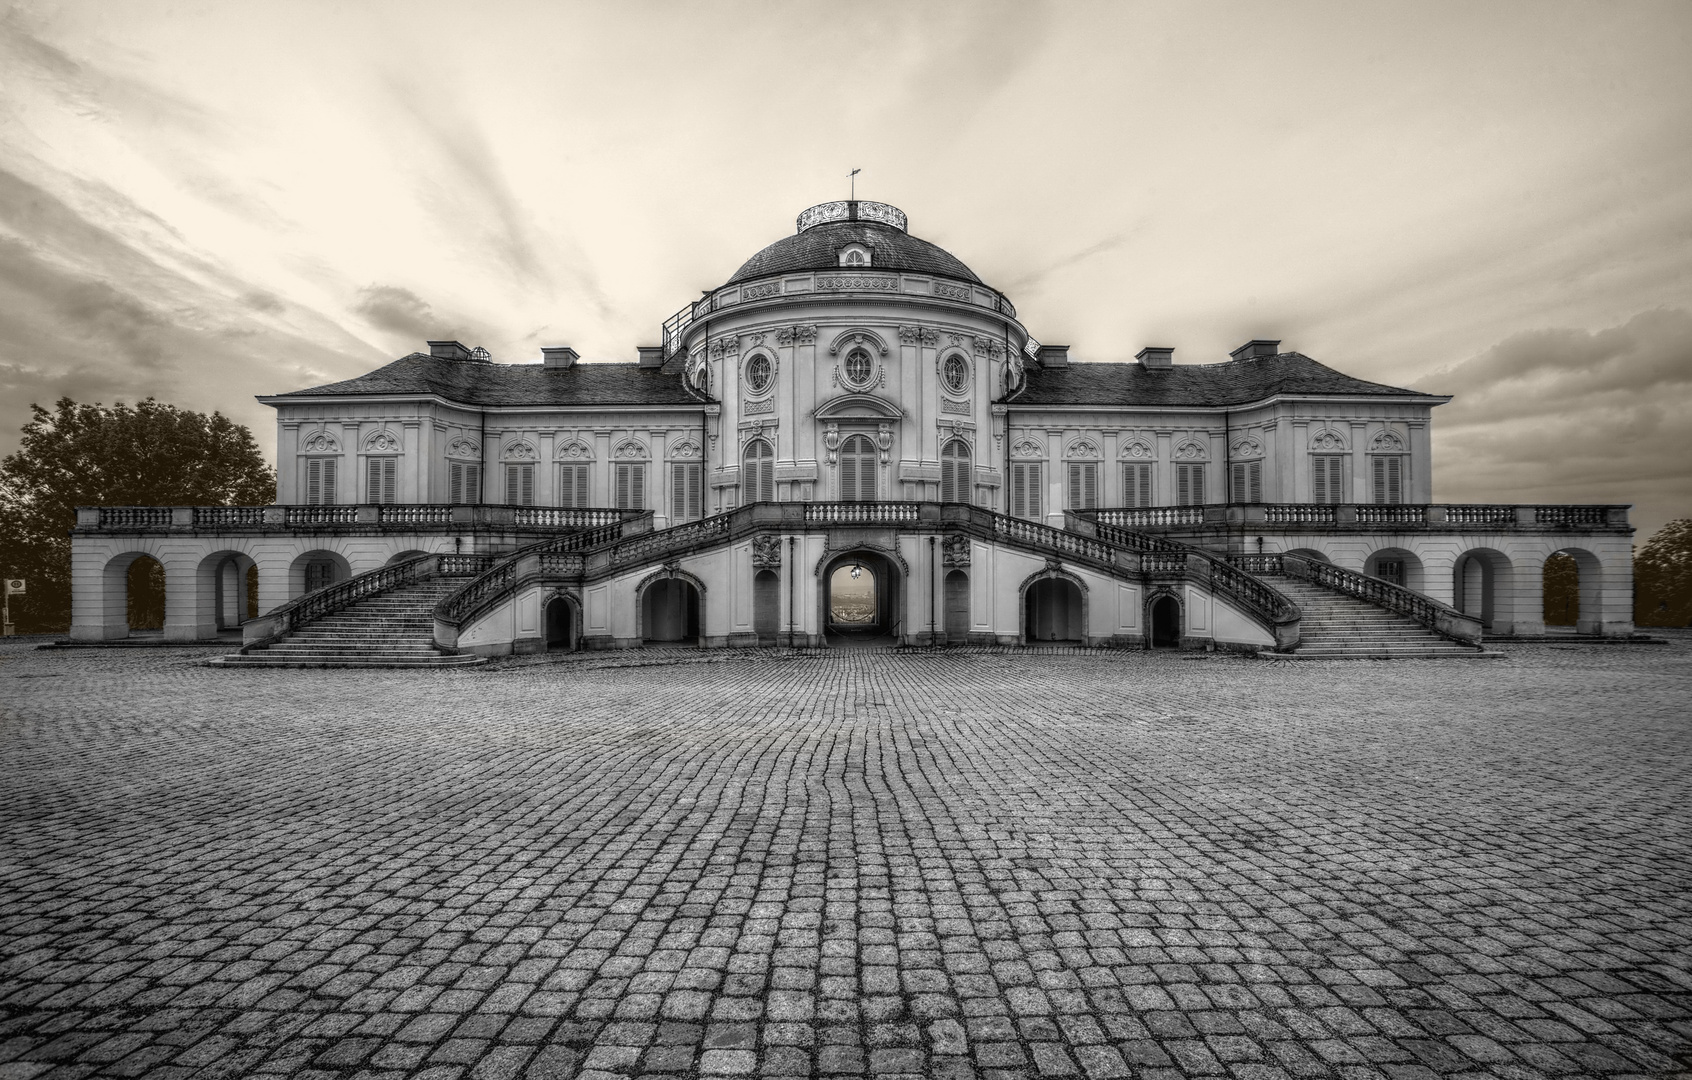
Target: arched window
(857, 469)
(757, 472)
(954, 472)
(856, 258)
(859, 367)
(955, 372)
(759, 373)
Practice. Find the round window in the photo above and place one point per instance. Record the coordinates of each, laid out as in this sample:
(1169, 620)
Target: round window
(759, 373)
(956, 373)
(859, 367)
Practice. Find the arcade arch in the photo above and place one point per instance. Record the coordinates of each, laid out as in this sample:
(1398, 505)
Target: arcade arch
(1483, 585)
(1054, 611)
(316, 569)
(1396, 565)
(861, 595)
(957, 606)
(1164, 622)
(560, 624)
(1585, 612)
(671, 611)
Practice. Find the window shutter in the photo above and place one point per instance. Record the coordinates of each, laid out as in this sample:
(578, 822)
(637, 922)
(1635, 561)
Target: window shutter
(637, 487)
(696, 490)
(473, 483)
(314, 482)
(329, 465)
(1255, 481)
(678, 491)
(566, 485)
(1378, 464)
(1237, 482)
(622, 495)
(390, 480)
(766, 475)
(511, 485)
(455, 483)
(1319, 479)
(526, 476)
(1183, 485)
(1395, 480)
(372, 480)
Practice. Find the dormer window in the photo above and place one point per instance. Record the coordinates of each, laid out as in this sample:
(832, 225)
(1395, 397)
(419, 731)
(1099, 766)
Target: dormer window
(854, 255)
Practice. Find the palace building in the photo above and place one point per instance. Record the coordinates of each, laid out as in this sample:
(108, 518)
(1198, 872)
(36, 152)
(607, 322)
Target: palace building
(852, 438)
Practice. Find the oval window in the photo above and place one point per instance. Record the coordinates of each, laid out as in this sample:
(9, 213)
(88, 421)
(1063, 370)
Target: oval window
(859, 367)
(956, 373)
(759, 373)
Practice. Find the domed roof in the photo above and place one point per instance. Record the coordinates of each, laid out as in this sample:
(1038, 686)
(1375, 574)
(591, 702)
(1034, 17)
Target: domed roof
(826, 229)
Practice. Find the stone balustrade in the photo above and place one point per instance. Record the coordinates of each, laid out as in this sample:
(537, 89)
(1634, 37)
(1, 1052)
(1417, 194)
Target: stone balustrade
(346, 518)
(1372, 517)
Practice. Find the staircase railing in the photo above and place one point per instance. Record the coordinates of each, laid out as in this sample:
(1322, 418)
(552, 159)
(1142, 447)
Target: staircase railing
(316, 604)
(465, 601)
(1442, 619)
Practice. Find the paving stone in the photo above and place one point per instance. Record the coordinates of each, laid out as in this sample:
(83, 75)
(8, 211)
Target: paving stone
(950, 864)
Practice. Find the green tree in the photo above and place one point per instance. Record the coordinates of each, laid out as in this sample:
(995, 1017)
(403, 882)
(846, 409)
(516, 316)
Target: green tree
(149, 454)
(1662, 577)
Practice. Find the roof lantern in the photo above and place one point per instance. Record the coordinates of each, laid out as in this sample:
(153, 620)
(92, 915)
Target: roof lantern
(853, 210)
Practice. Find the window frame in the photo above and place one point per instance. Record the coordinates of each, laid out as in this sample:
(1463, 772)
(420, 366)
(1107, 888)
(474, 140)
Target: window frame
(628, 485)
(1081, 488)
(1388, 478)
(868, 366)
(860, 458)
(757, 478)
(1328, 478)
(1189, 483)
(1137, 484)
(320, 488)
(955, 464)
(1026, 491)
(687, 490)
(1246, 475)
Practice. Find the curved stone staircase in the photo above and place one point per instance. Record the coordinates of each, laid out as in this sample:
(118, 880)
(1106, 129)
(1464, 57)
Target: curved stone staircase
(392, 629)
(1340, 627)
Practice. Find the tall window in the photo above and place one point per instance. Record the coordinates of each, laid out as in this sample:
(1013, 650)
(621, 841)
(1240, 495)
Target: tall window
(631, 486)
(1025, 489)
(1083, 485)
(1247, 482)
(954, 472)
(464, 482)
(687, 490)
(857, 469)
(1189, 484)
(320, 481)
(520, 484)
(573, 485)
(1388, 478)
(1136, 484)
(757, 472)
(381, 475)
(1327, 478)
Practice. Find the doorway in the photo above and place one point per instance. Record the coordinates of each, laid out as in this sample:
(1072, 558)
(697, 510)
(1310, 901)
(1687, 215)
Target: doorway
(560, 635)
(1053, 612)
(1166, 623)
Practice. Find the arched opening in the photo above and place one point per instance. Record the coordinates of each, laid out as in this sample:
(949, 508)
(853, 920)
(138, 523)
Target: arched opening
(1310, 553)
(1483, 587)
(857, 470)
(670, 612)
(560, 625)
(861, 597)
(1571, 591)
(1052, 612)
(252, 609)
(1397, 566)
(225, 586)
(957, 607)
(315, 570)
(144, 594)
(757, 472)
(954, 472)
(1166, 622)
(766, 606)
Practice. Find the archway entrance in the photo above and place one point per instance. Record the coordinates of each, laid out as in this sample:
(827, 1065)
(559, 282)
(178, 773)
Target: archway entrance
(670, 612)
(861, 598)
(766, 606)
(145, 594)
(957, 607)
(1053, 612)
(560, 630)
(1166, 623)
(1571, 591)
(1482, 586)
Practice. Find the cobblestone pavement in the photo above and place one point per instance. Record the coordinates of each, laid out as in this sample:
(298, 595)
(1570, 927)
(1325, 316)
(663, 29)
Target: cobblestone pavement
(920, 864)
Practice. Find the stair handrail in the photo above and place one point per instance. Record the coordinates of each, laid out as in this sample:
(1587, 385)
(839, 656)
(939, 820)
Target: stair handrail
(1441, 618)
(318, 603)
(460, 604)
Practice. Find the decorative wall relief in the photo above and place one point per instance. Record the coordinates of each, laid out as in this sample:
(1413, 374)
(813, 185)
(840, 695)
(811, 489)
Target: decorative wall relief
(1028, 448)
(1327, 440)
(1247, 447)
(383, 442)
(630, 450)
(320, 442)
(1190, 451)
(857, 337)
(918, 335)
(766, 552)
(759, 292)
(796, 335)
(1387, 442)
(954, 551)
(947, 405)
(1137, 450)
(686, 450)
(574, 450)
(864, 282)
(725, 346)
(1082, 449)
(950, 292)
(768, 405)
(520, 450)
(986, 347)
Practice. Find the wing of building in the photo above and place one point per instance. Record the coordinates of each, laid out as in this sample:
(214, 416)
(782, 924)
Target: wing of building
(851, 373)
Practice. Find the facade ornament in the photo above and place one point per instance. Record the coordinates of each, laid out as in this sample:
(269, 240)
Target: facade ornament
(857, 336)
(320, 442)
(686, 449)
(831, 440)
(1013, 373)
(950, 292)
(725, 346)
(804, 334)
(1248, 447)
(1083, 448)
(574, 450)
(383, 442)
(1027, 448)
(1387, 442)
(950, 406)
(673, 567)
(1138, 450)
(884, 440)
(918, 335)
(986, 347)
(521, 450)
(1327, 440)
(759, 292)
(955, 550)
(464, 448)
(1189, 451)
(698, 372)
(630, 450)
(766, 553)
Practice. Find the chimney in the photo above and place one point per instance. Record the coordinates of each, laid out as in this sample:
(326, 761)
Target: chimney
(1256, 349)
(651, 355)
(449, 350)
(1156, 356)
(1053, 356)
(558, 356)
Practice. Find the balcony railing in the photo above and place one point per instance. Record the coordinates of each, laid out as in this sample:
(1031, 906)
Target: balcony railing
(1419, 517)
(1151, 516)
(349, 517)
(859, 513)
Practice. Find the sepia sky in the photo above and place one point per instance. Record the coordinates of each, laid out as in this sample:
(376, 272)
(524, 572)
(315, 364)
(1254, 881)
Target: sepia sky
(208, 201)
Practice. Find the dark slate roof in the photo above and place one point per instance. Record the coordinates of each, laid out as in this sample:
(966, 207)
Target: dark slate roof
(818, 248)
(472, 383)
(1237, 382)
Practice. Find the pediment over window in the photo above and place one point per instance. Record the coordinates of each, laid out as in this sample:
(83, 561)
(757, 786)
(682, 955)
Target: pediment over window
(857, 407)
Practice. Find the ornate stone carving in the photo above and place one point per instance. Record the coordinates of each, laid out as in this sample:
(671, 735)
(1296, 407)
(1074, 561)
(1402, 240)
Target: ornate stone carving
(1013, 373)
(1083, 448)
(1028, 448)
(383, 442)
(630, 450)
(464, 448)
(863, 282)
(1327, 440)
(954, 551)
(1189, 451)
(698, 372)
(950, 406)
(1387, 442)
(831, 440)
(574, 450)
(1247, 447)
(868, 339)
(725, 346)
(768, 405)
(759, 292)
(766, 552)
(804, 334)
(918, 335)
(986, 347)
(320, 442)
(521, 450)
(1138, 450)
(687, 449)
(950, 292)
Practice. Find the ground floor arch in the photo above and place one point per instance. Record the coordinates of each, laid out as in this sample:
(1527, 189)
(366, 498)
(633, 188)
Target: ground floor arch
(766, 606)
(1163, 622)
(316, 569)
(1054, 611)
(1572, 590)
(561, 624)
(225, 591)
(670, 611)
(1397, 566)
(957, 606)
(1483, 585)
(862, 593)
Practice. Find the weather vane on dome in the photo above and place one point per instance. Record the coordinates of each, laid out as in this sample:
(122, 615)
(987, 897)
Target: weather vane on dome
(853, 176)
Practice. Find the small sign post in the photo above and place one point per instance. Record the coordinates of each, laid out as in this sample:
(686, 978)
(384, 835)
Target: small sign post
(13, 585)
